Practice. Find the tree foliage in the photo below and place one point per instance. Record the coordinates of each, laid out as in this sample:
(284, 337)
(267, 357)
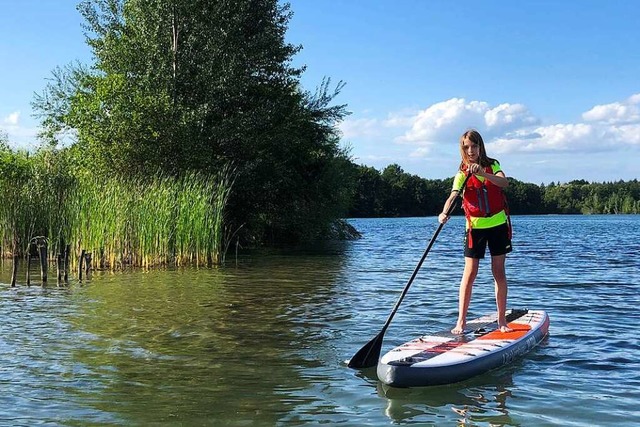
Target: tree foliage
(393, 193)
(180, 85)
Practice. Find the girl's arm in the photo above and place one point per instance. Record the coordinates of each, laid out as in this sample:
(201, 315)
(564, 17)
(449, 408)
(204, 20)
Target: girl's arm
(442, 218)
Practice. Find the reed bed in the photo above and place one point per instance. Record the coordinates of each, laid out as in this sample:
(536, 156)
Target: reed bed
(123, 222)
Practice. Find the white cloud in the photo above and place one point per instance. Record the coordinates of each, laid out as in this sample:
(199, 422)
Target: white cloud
(604, 135)
(359, 128)
(505, 117)
(445, 121)
(559, 137)
(400, 119)
(608, 127)
(442, 121)
(625, 134)
(627, 111)
(511, 128)
(420, 152)
(19, 135)
(374, 127)
(12, 119)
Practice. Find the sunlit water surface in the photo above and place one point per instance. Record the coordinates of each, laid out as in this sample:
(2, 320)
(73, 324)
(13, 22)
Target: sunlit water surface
(264, 342)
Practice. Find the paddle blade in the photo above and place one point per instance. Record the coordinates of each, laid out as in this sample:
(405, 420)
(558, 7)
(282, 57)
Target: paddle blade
(368, 355)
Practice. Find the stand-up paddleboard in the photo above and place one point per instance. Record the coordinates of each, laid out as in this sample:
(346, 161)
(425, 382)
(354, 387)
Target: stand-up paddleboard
(445, 358)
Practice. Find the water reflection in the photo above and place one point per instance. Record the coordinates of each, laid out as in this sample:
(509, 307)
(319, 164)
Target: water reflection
(481, 400)
(174, 344)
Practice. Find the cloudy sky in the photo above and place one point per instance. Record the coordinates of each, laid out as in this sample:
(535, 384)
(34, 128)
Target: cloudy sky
(554, 87)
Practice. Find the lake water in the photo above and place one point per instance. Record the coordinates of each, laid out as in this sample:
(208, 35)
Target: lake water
(264, 342)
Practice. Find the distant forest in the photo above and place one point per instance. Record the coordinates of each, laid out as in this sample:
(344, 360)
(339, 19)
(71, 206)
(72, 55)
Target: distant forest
(394, 193)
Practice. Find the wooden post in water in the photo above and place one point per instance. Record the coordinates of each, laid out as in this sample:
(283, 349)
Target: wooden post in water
(87, 264)
(80, 261)
(14, 273)
(29, 266)
(67, 250)
(59, 268)
(44, 262)
(60, 260)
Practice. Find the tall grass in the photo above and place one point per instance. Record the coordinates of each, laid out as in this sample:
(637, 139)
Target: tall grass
(123, 222)
(162, 221)
(20, 215)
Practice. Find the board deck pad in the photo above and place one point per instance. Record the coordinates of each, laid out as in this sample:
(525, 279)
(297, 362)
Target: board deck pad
(444, 357)
(475, 329)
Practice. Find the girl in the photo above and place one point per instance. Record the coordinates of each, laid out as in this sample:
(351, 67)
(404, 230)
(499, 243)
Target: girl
(487, 222)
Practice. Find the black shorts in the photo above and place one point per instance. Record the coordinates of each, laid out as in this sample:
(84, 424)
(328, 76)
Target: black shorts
(497, 238)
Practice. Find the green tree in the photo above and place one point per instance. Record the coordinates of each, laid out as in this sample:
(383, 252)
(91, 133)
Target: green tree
(524, 198)
(398, 198)
(182, 85)
(369, 186)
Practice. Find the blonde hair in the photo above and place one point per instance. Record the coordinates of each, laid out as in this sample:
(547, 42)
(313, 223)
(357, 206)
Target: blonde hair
(475, 137)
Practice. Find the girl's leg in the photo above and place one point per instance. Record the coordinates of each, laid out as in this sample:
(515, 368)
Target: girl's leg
(466, 285)
(500, 278)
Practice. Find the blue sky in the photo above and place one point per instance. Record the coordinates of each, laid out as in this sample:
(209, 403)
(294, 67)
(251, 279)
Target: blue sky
(553, 86)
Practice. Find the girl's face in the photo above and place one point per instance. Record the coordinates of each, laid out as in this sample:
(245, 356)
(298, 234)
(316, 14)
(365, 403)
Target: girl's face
(471, 150)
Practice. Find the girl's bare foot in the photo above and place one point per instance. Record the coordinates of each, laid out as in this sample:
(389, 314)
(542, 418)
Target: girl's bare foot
(504, 328)
(459, 329)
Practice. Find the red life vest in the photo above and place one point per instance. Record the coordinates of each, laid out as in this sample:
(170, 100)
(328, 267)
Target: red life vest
(482, 198)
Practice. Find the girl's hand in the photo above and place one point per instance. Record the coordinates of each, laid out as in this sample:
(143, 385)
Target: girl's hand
(475, 169)
(442, 218)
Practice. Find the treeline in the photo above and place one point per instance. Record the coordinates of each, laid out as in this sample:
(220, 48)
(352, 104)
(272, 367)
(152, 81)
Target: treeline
(395, 193)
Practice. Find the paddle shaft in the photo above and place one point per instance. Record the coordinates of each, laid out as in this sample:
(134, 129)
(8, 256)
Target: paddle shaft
(368, 355)
(415, 271)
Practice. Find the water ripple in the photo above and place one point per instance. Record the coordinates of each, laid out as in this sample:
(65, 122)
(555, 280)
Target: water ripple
(265, 343)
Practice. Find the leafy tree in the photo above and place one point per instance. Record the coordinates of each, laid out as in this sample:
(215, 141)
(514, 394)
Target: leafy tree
(369, 185)
(183, 85)
(398, 199)
(524, 198)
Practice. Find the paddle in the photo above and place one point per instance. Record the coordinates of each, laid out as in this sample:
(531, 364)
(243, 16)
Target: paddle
(368, 355)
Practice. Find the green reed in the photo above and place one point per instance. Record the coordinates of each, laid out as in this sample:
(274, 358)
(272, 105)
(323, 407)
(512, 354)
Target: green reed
(22, 202)
(165, 220)
(123, 222)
